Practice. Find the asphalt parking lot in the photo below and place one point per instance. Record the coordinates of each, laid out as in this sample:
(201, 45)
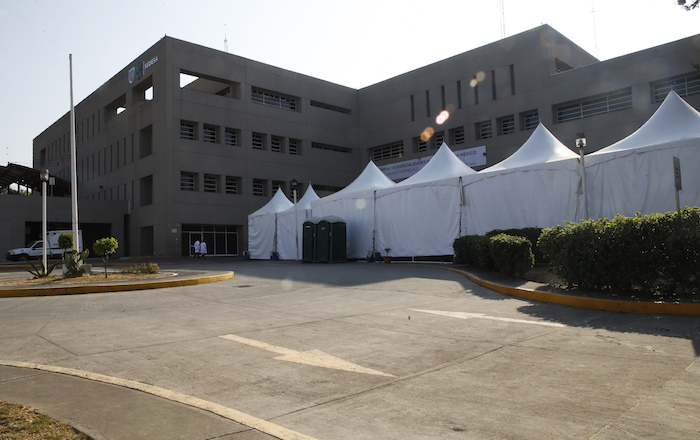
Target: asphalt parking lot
(363, 351)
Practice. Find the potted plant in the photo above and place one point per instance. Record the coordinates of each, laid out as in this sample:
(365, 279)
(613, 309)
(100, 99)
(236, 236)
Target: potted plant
(387, 257)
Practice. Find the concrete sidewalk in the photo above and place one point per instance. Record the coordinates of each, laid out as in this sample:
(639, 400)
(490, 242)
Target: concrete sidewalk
(107, 411)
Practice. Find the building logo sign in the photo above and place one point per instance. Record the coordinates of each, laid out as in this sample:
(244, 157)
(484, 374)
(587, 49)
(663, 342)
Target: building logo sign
(136, 72)
(401, 170)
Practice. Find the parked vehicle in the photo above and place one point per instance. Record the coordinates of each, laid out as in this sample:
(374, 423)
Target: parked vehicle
(35, 250)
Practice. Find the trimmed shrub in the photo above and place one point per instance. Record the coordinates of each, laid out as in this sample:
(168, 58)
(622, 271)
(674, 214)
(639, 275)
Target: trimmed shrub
(532, 234)
(473, 250)
(511, 255)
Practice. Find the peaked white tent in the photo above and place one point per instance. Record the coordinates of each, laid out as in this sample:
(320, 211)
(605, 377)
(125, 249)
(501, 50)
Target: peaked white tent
(636, 174)
(290, 226)
(355, 204)
(420, 216)
(537, 186)
(262, 226)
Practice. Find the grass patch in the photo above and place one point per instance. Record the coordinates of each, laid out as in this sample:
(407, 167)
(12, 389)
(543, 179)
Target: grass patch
(19, 422)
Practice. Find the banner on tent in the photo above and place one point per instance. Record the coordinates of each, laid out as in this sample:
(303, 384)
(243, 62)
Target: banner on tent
(401, 170)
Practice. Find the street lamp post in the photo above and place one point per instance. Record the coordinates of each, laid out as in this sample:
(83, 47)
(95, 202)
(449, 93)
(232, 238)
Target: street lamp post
(294, 184)
(581, 144)
(44, 175)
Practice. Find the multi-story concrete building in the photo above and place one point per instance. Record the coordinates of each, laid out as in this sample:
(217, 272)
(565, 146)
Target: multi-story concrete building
(194, 139)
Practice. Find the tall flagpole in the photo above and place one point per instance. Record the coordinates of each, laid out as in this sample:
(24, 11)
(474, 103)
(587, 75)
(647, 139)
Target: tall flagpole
(73, 167)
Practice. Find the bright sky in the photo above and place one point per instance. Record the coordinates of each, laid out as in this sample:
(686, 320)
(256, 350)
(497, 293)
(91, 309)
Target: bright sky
(350, 42)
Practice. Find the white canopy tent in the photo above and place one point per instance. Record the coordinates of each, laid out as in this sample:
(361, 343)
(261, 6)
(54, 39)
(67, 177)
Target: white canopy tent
(636, 174)
(537, 186)
(355, 204)
(421, 215)
(262, 226)
(290, 226)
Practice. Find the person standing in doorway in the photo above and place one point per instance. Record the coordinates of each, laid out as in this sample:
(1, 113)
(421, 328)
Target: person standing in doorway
(203, 249)
(197, 249)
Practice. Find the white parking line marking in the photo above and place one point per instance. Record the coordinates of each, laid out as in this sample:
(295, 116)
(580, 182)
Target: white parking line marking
(465, 315)
(314, 358)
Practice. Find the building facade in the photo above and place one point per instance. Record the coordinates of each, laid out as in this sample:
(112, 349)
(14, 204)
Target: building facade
(193, 139)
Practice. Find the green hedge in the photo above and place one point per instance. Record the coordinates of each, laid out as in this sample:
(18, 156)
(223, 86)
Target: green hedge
(508, 254)
(511, 255)
(649, 253)
(532, 234)
(473, 250)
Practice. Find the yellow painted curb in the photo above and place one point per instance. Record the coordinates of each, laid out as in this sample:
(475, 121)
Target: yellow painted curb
(116, 287)
(608, 305)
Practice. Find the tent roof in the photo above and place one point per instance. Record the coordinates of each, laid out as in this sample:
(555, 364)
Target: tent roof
(309, 196)
(279, 202)
(541, 147)
(370, 179)
(674, 120)
(443, 165)
(305, 202)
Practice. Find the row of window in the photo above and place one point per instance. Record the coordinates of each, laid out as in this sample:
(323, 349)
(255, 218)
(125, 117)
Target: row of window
(215, 183)
(456, 136)
(259, 141)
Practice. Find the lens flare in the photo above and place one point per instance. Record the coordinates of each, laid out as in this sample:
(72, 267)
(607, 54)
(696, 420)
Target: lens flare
(479, 77)
(427, 134)
(287, 283)
(442, 117)
(360, 204)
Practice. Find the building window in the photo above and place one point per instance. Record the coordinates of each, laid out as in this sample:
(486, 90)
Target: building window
(439, 139)
(421, 146)
(233, 185)
(209, 133)
(684, 85)
(388, 151)
(231, 137)
(330, 107)
(529, 120)
(187, 130)
(484, 130)
(560, 66)
(211, 183)
(276, 184)
(328, 147)
(276, 144)
(294, 147)
(146, 190)
(506, 125)
(258, 141)
(594, 105)
(457, 135)
(272, 99)
(259, 187)
(188, 181)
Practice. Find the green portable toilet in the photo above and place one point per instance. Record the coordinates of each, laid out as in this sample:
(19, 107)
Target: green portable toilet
(331, 240)
(323, 241)
(308, 248)
(338, 240)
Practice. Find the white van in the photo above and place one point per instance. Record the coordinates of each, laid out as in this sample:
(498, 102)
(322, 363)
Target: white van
(35, 250)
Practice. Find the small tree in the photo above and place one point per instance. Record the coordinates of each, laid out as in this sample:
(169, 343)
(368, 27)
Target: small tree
(104, 247)
(65, 241)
